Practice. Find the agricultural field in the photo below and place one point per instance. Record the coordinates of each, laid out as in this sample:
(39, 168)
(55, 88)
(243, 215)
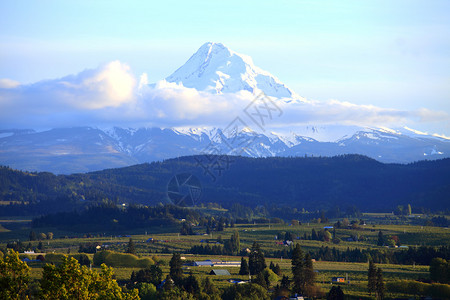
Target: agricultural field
(159, 244)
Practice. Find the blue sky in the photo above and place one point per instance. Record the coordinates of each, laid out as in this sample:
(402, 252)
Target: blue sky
(391, 54)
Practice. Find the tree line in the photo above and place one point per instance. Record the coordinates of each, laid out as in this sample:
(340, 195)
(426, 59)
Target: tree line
(305, 183)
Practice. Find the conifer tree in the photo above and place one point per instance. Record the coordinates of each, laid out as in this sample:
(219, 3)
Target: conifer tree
(379, 284)
(260, 280)
(285, 283)
(277, 269)
(297, 269)
(335, 293)
(372, 277)
(256, 260)
(191, 284)
(308, 271)
(32, 236)
(168, 283)
(176, 273)
(244, 267)
(209, 287)
(380, 239)
(131, 249)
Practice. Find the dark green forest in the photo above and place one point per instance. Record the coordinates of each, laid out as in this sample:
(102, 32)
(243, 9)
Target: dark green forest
(312, 183)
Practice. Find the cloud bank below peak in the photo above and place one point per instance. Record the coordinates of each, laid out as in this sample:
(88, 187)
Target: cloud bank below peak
(112, 95)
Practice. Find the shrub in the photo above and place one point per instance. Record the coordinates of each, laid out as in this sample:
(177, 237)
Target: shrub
(115, 259)
(270, 275)
(336, 240)
(83, 259)
(54, 258)
(416, 288)
(147, 291)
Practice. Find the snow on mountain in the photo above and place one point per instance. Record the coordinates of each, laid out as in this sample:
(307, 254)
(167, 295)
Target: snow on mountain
(70, 150)
(217, 69)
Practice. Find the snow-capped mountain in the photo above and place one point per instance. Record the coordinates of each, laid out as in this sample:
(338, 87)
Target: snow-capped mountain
(72, 150)
(217, 69)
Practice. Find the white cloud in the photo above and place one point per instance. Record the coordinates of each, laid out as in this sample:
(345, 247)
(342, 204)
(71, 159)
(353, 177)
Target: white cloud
(6, 83)
(108, 86)
(111, 95)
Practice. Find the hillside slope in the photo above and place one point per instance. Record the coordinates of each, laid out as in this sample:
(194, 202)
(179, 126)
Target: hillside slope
(310, 183)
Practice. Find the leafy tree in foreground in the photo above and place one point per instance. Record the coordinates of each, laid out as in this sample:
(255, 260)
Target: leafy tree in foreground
(245, 291)
(152, 274)
(147, 291)
(14, 276)
(69, 280)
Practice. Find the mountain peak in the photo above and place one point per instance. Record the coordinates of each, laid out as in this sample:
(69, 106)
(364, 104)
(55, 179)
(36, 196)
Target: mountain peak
(217, 69)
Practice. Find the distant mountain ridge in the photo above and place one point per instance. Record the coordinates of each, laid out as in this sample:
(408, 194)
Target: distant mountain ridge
(215, 69)
(85, 149)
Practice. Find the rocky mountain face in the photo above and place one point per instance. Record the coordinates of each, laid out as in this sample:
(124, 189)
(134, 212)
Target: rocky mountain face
(84, 149)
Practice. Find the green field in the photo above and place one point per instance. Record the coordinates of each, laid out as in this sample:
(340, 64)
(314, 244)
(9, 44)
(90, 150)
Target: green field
(164, 244)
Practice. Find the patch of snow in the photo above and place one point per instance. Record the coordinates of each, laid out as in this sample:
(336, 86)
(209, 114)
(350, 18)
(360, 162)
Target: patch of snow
(415, 131)
(388, 130)
(441, 136)
(435, 152)
(371, 136)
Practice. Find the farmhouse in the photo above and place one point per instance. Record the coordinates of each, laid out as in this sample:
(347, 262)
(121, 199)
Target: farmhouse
(227, 264)
(216, 263)
(220, 272)
(338, 280)
(204, 263)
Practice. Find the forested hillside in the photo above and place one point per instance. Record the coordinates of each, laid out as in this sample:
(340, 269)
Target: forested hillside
(310, 183)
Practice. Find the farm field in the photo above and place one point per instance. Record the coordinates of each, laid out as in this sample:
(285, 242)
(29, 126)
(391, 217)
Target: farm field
(153, 243)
